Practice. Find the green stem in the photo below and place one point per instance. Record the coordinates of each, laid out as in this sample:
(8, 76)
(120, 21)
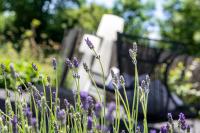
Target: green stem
(104, 84)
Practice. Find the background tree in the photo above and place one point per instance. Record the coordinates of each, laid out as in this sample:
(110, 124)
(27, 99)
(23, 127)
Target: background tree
(137, 14)
(182, 23)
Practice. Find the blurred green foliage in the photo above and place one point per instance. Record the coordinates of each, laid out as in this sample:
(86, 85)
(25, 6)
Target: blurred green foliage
(23, 64)
(182, 23)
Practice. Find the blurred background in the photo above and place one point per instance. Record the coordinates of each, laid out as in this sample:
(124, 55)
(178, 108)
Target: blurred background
(33, 31)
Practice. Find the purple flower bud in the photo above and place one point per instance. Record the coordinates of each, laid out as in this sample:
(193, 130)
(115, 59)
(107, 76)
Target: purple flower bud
(34, 67)
(54, 63)
(28, 114)
(169, 116)
(34, 123)
(14, 124)
(89, 123)
(19, 88)
(89, 43)
(111, 107)
(66, 103)
(29, 84)
(163, 129)
(90, 101)
(83, 95)
(75, 62)
(87, 101)
(97, 109)
(85, 66)
(152, 131)
(103, 129)
(61, 116)
(68, 63)
(182, 122)
(138, 130)
(39, 103)
(53, 96)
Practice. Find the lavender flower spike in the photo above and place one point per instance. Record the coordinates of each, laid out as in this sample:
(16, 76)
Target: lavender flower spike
(68, 63)
(14, 123)
(111, 108)
(163, 129)
(34, 67)
(89, 123)
(182, 122)
(34, 124)
(54, 63)
(97, 109)
(61, 116)
(66, 103)
(89, 43)
(75, 62)
(170, 119)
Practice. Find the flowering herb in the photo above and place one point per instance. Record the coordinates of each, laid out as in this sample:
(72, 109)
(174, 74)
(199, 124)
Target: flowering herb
(43, 113)
(89, 43)
(54, 63)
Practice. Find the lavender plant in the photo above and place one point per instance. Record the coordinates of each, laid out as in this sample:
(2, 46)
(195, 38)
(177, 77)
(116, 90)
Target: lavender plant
(43, 113)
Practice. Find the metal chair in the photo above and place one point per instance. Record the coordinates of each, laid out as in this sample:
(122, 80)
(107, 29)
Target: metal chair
(154, 58)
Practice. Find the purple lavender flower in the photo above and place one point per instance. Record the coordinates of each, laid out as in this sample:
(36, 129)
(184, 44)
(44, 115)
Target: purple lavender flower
(111, 108)
(170, 119)
(34, 67)
(53, 96)
(97, 109)
(14, 124)
(39, 103)
(28, 114)
(90, 101)
(19, 88)
(103, 129)
(75, 62)
(34, 123)
(68, 63)
(85, 66)
(66, 103)
(89, 123)
(83, 95)
(61, 116)
(138, 130)
(89, 43)
(182, 122)
(163, 129)
(84, 100)
(152, 131)
(54, 63)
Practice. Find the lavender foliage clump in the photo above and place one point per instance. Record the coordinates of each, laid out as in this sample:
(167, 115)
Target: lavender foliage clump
(43, 112)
